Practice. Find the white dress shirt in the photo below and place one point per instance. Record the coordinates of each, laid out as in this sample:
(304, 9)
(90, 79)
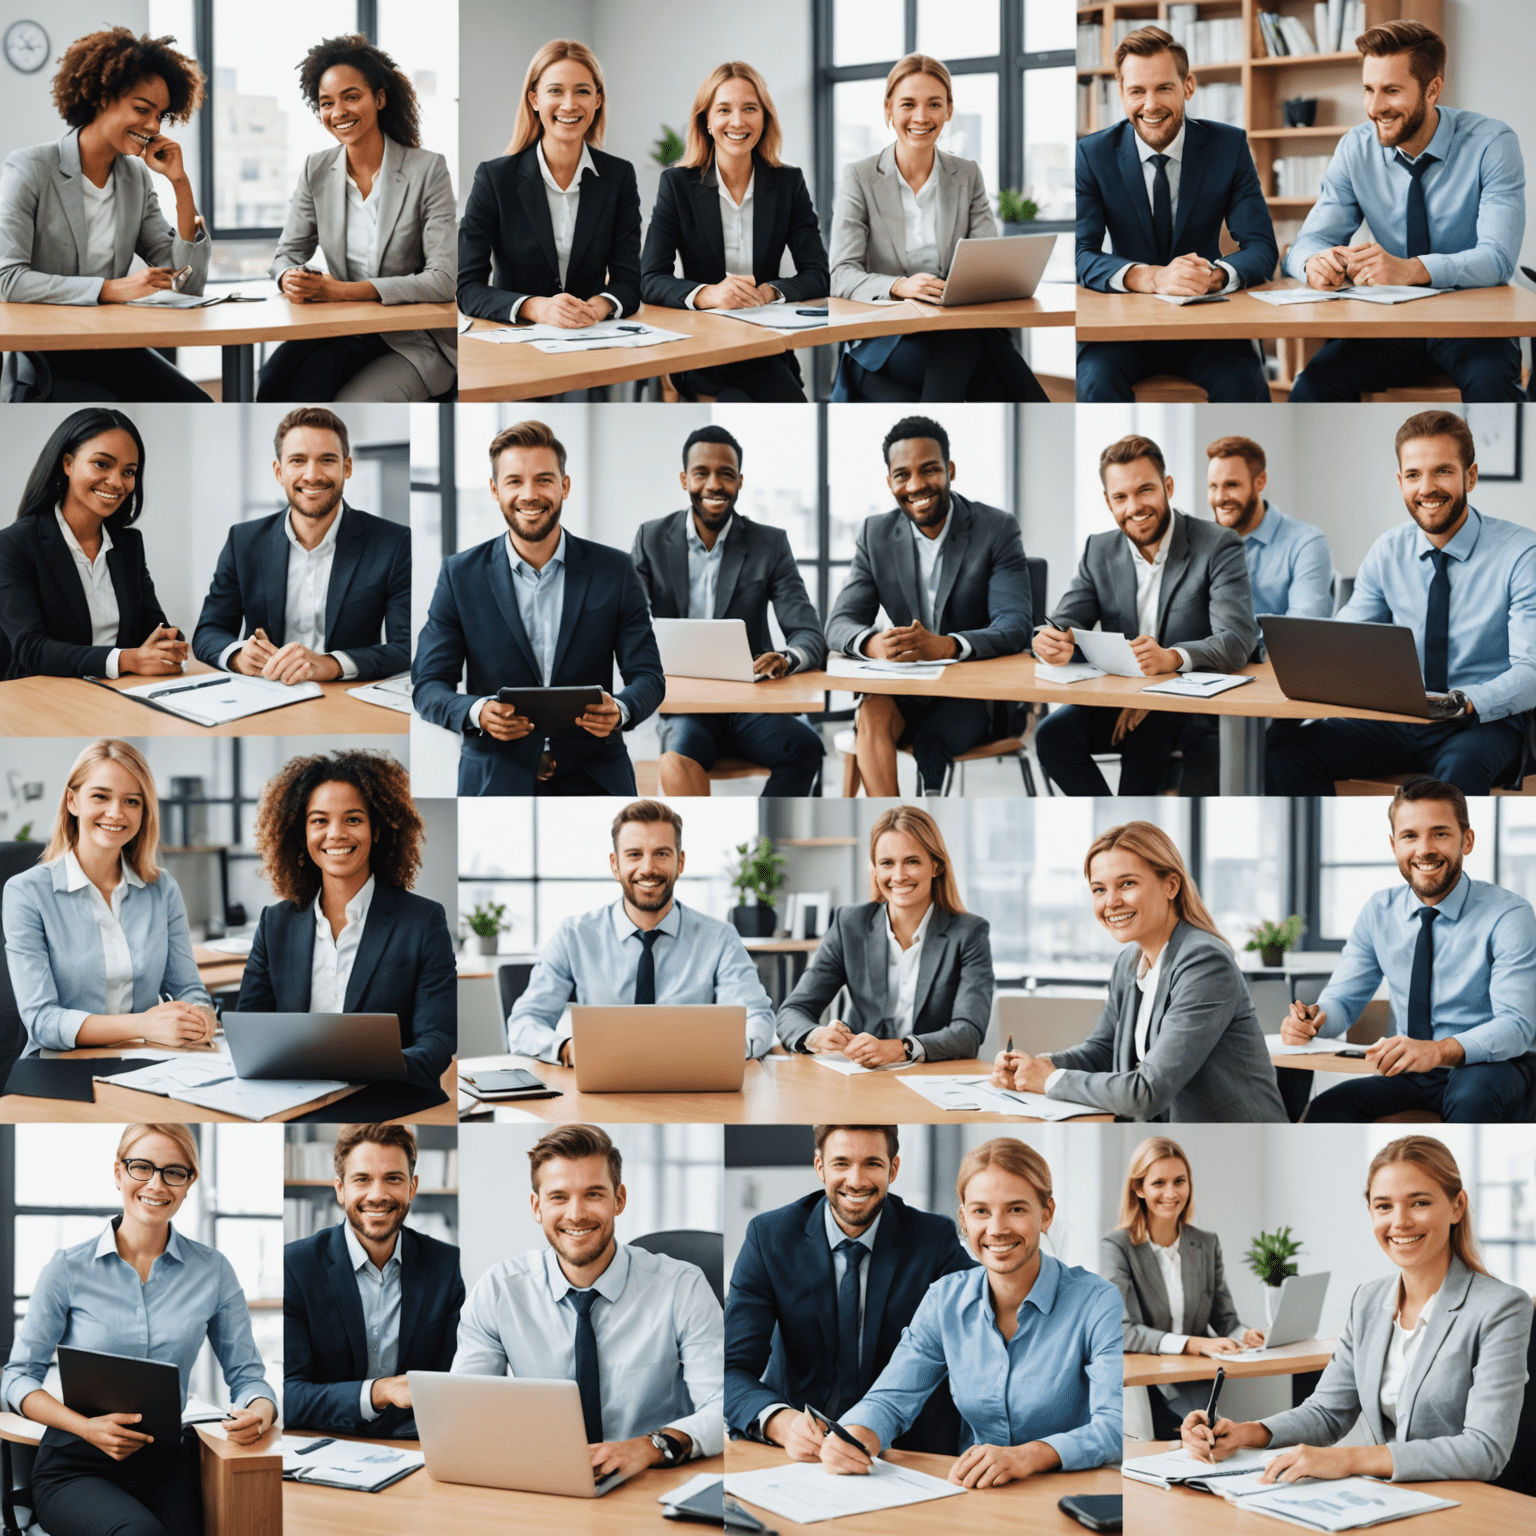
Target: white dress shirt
(100, 228)
(1170, 1267)
(901, 978)
(115, 953)
(736, 227)
(1149, 589)
(330, 965)
(930, 559)
(1403, 1347)
(564, 205)
(920, 220)
(363, 228)
(100, 594)
(379, 1292)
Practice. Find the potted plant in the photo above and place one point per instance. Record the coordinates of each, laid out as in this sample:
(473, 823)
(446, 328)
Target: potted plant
(486, 924)
(1269, 1257)
(1015, 211)
(757, 876)
(669, 148)
(1273, 939)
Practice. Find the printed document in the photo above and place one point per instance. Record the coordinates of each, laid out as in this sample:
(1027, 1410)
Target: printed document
(803, 1492)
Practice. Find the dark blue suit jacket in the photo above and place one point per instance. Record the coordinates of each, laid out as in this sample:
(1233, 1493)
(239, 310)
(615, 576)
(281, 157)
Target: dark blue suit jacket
(404, 965)
(474, 617)
(325, 1348)
(781, 1313)
(368, 600)
(1217, 184)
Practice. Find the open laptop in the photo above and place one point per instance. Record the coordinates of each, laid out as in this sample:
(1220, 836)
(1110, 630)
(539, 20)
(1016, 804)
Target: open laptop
(659, 1048)
(346, 1047)
(1366, 666)
(505, 1432)
(1296, 1318)
(704, 648)
(987, 271)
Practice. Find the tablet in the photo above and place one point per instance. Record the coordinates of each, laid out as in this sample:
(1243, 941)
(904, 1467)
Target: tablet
(94, 1383)
(554, 711)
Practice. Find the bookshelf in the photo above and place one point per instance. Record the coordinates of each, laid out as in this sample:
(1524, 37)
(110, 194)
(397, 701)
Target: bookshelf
(309, 1198)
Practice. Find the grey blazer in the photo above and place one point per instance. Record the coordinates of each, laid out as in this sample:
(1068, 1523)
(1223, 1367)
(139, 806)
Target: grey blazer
(43, 231)
(954, 982)
(1206, 1059)
(1205, 604)
(417, 243)
(869, 243)
(1460, 1403)
(1147, 1320)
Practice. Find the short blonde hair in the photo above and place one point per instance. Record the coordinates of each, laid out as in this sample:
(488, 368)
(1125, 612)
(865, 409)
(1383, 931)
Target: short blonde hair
(1012, 1156)
(1133, 1204)
(923, 829)
(916, 64)
(701, 147)
(186, 1143)
(527, 128)
(142, 850)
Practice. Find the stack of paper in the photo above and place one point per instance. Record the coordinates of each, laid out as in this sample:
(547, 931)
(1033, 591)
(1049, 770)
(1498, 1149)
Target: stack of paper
(1345, 1505)
(805, 1493)
(1170, 1467)
(1386, 293)
(966, 1092)
(858, 666)
(1199, 685)
(585, 338)
(849, 1068)
(220, 699)
(346, 1463)
(1072, 672)
(210, 1081)
(390, 692)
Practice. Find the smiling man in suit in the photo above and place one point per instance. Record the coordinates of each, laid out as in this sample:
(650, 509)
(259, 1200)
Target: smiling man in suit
(1163, 184)
(710, 562)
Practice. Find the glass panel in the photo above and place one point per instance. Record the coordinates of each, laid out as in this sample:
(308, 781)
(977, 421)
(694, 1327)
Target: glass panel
(1243, 882)
(255, 1250)
(1048, 25)
(972, 132)
(38, 1238)
(1517, 846)
(858, 122)
(66, 1165)
(950, 31)
(248, 1169)
(1048, 146)
(173, 19)
(867, 31)
(496, 836)
(424, 41)
(778, 484)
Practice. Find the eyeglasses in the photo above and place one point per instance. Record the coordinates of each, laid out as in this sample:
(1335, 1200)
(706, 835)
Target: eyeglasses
(141, 1171)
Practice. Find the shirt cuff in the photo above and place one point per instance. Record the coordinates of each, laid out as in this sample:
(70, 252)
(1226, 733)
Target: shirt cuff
(348, 666)
(1233, 282)
(795, 658)
(918, 1053)
(1173, 1344)
(1054, 1078)
(227, 652)
(365, 1403)
(623, 713)
(778, 297)
(688, 302)
(860, 639)
(1183, 655)
(963, 647)
(1117, 282)
(618, 309)
(765, 1415)
(114, 663)
(512, 314)
(474, 712)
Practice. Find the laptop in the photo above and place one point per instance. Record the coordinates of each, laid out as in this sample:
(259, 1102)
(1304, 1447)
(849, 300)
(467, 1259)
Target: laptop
(705, 648)
(988, 271)
(1296, 1318)
(659, 1048)
(505, 1432)
(313, 1047)
(94, 1383)
(1371, 666)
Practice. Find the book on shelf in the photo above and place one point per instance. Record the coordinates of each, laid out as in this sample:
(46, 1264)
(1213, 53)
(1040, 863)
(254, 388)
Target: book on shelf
(1090, 44)
(1220, 101)
(1300, 175)
(1298, 40)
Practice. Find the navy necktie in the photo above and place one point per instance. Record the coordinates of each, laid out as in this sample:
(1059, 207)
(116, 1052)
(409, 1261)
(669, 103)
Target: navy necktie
(1162, 210)
(645, 974)
(1423, 971)
(586, 1365)
(1416, 242)
(848, 1392)
(1437, 626)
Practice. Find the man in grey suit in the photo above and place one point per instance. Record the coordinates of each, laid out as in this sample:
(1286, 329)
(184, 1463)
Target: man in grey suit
(1177, 587)
(710, 562)
(951, 577)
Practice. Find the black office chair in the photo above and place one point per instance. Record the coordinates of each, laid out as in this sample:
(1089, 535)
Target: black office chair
(14, 858)
(1519, 1475)
(511, 983)
(706, 1250)
(16, 1463)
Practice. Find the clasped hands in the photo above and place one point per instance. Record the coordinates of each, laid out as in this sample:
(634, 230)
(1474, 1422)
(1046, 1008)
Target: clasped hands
(866, 1050)
(162, 654)
(1185, 277)
(503, 722)
(911, 642)
(735, 292)
(1020, 1071)
(1390, 1056)
(1366, 265)
(566, 310)
(291, 663)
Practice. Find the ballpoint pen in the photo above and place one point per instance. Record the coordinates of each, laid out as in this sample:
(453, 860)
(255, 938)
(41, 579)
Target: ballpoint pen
(210, 682)
(1210, 1410)
(833, 1427)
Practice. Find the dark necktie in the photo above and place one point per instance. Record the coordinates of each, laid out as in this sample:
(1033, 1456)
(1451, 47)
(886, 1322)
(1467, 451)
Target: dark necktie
(645, 975)
(1437, 626)
(1416, 241)
(1162, 210)
(1423, 972)
(848, 1393)
(586, 1365)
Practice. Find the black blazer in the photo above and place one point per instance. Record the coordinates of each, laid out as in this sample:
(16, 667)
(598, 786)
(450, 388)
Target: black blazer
(404, 966)
(368, 600)
(686, 219)
(507, 220)
(44, 620)
(325, 1348)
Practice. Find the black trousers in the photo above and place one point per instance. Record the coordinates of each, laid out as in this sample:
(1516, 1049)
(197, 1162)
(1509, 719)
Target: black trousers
(1068, 737)
(316, 370)
(942, 366)
(766, 379)
(128, 373)
(1309, 760)
(78, 1490)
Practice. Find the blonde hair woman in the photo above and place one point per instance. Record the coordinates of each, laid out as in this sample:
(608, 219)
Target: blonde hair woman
(917, 965)
(96, 934)
(1432, 1358)
(529, 204)
(1178, 1036)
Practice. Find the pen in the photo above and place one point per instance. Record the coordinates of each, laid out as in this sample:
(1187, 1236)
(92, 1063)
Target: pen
(833, 1427)
(1008, 1049)
(813, 312)
(161, 693)
(1210, 1411)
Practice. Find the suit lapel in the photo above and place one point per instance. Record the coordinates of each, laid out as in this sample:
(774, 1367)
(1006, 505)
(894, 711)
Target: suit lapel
(705, 195)
(572, 604)
(1371, 1362)
(594, 197)
(1437, 1329)
(391, 197)
(1191, 174)
(888, 201)
(904, 558)
(499, 574)
(344, 564)
(1190, 1267)
(1129, 161)
(732, 558)
(1173, 570)
(816, 1266)
(275, 570)
(126, 213)
(934, 944)
(675, 544)
(62, 563)
(298, 954)
(1151, 1276)
(412, 1290)
(1164, 983)
(536, 207)
(128, 629)
(377, 932)
(331, 214)
(956, 543)
(71, 194)
(344, 1288)
(877, 1286)
(954, 220)
(765, 214)
(1122, 581)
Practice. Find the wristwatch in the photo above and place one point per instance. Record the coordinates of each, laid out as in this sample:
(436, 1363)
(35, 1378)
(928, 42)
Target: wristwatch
(672, 1450)
(909, 1048)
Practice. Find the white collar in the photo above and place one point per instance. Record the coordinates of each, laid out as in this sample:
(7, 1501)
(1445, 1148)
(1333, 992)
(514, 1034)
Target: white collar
(725, 196)
(356, 909)
(76, 879)
(936, 543)
(1158, 560)
(583, 165)
(326, 545)
(1167, 1251)
(1393, 1306)
(359, 1255)
(378, 175)
(922, 927)
(1175, 151)
(74, 543)
(1147, 975)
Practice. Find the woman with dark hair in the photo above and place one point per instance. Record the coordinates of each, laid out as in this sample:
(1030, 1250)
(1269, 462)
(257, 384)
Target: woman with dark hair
(340, 843)
(74, 214)
(76, 598)
(380, 208)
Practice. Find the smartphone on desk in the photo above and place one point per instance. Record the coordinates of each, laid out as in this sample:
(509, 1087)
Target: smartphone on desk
(1098, 1511)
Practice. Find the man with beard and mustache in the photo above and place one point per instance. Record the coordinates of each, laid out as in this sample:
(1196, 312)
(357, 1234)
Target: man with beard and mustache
(951, 577)
(319, 590)
(639, 1332)
(368, 1299)
(644, 948)
(1442, 191)
(1162, 185)
(710, 562)
(1459, 959)
(1465, 584)
(1177, 588)
(537, 608)
(802, 1326)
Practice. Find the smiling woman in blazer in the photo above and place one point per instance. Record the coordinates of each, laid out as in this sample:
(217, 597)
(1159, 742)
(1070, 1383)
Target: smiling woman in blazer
(1178, 1038)
(74, 214)
(340, 842)
(1431, 1358)
(731, 209)
(895, 225)
(917, 965)
(380, 208)
(557, 218)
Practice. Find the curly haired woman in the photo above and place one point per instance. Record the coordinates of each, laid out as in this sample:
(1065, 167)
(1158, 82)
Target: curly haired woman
(74, 214)
(340, 843)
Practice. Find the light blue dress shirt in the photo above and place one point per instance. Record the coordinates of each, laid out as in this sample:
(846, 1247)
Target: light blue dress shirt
(703, 568)
(1059, 1379)
(593, 958)
(1474, 195)
(1290, 567)
(540, 601)
(90, 1297)
(660, 1339)
(1483, 989)
(1492, 655)
(379, 1293)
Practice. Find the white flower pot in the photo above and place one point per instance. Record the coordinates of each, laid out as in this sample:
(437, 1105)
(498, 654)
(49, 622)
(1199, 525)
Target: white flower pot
(477, 944)
(1271, 1304)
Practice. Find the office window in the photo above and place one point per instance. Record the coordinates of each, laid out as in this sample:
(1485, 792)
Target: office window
(673, 1177)
(1517, 845)
(424, 41)
(1243, 878)
(866, 31)
(947, 30)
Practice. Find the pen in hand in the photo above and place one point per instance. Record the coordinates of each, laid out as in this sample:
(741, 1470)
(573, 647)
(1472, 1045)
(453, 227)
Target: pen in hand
(834, 1428)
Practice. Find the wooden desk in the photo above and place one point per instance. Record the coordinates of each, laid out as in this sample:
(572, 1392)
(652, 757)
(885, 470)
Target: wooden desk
(1054, 305)
(70, 706)
(1029, 1505)
(234, 327)
(791, 695)
(1326, 1061)
(419, 1505)
(1166, 1370)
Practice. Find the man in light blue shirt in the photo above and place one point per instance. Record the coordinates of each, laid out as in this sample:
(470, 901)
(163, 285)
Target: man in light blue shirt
(644, 948)
(1459, 959)
(1465, 585)
(1442, 191)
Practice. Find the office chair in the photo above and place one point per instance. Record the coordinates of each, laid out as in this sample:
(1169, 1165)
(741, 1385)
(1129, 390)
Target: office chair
(14, 859)
(706, 1250)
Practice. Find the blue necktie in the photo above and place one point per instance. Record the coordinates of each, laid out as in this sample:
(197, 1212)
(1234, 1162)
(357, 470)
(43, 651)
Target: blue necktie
(1416, 242)
(1437, 626)
(586, 1365)
(848, 1392)
(645, 974)
(1162, 210)
(1423, 970)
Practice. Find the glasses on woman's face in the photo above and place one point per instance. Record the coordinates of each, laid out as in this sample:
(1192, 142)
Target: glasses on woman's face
(141, 1171)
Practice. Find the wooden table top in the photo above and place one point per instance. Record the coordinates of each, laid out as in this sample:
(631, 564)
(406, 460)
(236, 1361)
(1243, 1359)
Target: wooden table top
(791, 695)
(1326, 1061)
(1288, 1360)
(1506, 311)
(1029, 1505)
